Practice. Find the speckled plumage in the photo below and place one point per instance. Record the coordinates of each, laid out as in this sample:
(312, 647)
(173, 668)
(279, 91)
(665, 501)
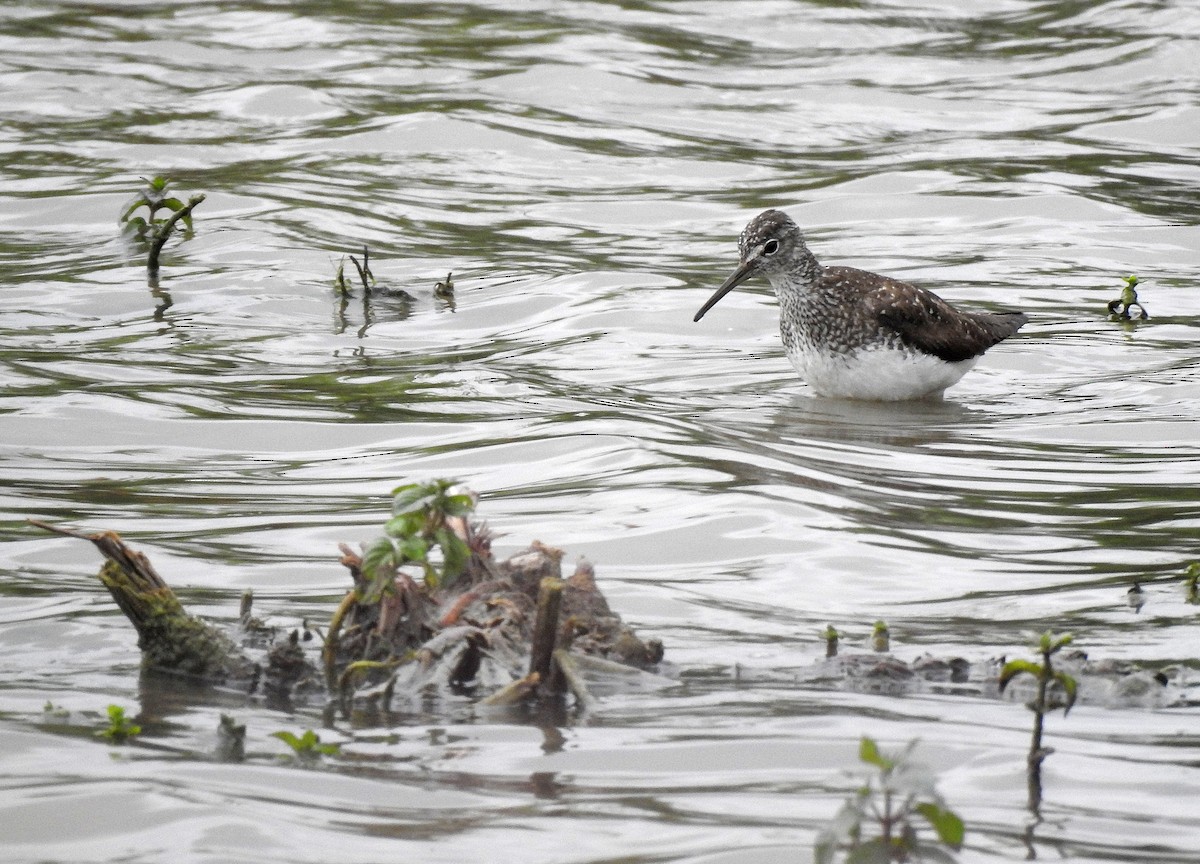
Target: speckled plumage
(859, 335)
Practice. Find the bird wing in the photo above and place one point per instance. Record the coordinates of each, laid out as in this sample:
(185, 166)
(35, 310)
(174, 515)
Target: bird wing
(930, 324)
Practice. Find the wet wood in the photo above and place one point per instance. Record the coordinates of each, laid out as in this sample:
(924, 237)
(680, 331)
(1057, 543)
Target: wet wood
(170, 639)
(545, 628)
(570, 673)
(509, 628)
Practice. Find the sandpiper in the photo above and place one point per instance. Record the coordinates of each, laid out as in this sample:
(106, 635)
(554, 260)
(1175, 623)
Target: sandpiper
(852, 334)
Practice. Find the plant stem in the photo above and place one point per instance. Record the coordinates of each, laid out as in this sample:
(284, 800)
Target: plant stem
(330, 649)
(1036, 753)
(885, 822)
(164, 231)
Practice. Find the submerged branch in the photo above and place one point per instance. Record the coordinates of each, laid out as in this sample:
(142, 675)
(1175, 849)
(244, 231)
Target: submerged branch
(171, 640)
(163, 232)
(496, 630)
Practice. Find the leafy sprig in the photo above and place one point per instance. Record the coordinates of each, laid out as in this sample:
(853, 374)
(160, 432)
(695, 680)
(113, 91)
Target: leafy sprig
(420, 524)
(893, 797)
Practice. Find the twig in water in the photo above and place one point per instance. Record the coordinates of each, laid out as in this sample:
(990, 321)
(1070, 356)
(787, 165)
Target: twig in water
(163, 231)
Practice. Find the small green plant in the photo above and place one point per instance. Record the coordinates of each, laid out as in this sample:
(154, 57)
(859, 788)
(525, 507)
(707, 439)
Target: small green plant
(1191, 583)
(120, 728)
(154, 197)
(445, 290)
(340, 283)
(881, 637)
(1055, 689)
(151, 228)
(830, 635)
(897, 793)
(308, 745)
(1121, 308)
(421, 514)
(231, 740)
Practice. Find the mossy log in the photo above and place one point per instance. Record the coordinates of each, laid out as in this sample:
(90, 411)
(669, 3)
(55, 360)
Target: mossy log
(171, 640)
(487, 635)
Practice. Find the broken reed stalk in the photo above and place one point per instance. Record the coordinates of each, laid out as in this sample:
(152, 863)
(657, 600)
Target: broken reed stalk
(163, 232)
(329, 650)
(514, 693)
(570, 673)
(545, 627)
(170, 638)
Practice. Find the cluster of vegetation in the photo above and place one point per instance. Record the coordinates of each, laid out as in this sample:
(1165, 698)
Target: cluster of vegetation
(1055, 689)
(880, 638)
(891, 801)
(417, 537)
(421, 513)
(1122, 308)
(152, 229)
(878, 824)
(306, 745)
(1191, 583)
(342, 285)
(443, 290)
(120, 728)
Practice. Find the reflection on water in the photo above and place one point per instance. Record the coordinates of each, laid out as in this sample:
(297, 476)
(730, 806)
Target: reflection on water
(583, 170)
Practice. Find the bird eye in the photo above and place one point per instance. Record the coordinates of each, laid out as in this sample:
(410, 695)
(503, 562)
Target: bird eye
(770, 247)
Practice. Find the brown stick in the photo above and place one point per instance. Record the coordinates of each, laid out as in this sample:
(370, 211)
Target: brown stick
(565, 664)
(515, 693)
(330, 649)
(545, 627)
(144, 580)
(170, 639)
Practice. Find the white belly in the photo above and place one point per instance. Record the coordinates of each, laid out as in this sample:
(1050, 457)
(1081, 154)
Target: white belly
(880, 374)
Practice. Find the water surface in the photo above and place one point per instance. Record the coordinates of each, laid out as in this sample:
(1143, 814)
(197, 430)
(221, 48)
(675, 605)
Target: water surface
(583, 169)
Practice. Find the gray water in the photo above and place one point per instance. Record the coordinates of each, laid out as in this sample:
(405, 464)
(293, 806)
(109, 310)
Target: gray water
(584, 169)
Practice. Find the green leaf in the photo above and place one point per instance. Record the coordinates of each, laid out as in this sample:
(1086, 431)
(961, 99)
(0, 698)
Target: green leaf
(378, 567)
(846, 823)
(172, 204)
(413, 549)
(455, 555)
(946, 823)
(405, 524)
(289, 739)
(307, 745)
(414, 496)
(868, 752)
(1013, 668)
(139, 201)
(1070, 686)
(381, 554)
(457, 505)
(433, 579)
(912, 779)
(872, 852)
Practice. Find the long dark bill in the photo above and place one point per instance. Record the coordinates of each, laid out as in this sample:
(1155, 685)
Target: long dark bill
(744, 271)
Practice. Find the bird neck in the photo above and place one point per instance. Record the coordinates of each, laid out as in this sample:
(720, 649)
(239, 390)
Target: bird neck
(799, 276)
